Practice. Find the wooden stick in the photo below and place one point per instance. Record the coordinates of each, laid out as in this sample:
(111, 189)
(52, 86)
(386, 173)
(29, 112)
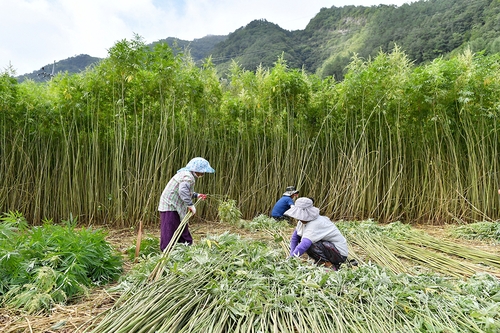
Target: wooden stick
(138, 242)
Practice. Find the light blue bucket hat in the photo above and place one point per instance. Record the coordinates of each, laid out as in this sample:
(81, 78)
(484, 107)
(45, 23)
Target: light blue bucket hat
(198, 164)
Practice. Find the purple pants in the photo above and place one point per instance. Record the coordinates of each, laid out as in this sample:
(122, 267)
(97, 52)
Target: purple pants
(169, 222)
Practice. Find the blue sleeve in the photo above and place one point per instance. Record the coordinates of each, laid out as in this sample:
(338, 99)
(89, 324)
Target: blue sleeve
(294, 241)
(303, 246)
(281, 206)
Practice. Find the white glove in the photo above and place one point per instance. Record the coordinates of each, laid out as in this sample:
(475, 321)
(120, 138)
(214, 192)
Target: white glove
(192, 209)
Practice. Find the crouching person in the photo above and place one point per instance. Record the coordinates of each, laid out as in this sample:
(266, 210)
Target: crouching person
(316, 235)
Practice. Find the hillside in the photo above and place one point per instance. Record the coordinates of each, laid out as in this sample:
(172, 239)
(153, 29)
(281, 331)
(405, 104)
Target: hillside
(74, 64)
(259, 42)
(424, 30)
(198, 48)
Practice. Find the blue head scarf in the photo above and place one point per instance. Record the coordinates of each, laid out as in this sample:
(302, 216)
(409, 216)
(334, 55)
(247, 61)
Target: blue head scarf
(198, 164)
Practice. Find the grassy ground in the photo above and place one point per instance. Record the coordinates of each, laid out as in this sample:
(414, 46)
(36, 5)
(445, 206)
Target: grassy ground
(65, 319)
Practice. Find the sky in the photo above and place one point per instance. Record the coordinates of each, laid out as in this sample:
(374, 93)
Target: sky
(34, 33)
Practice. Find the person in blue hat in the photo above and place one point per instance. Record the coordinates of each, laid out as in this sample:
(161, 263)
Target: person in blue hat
(284, 203)
(177, 198)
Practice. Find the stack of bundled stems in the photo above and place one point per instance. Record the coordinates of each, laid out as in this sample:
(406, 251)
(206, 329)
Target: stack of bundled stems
(158, 270)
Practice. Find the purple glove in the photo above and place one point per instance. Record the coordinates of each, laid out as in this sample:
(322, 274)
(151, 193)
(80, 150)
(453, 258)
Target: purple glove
(300, 249)
(294, 241)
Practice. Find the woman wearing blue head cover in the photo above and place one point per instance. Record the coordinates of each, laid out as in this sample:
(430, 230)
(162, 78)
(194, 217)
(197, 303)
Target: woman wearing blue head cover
(177, 198)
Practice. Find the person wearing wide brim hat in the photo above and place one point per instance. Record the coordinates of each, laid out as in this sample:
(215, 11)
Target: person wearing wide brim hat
(284, 203)
(177, 198)
(316, 235)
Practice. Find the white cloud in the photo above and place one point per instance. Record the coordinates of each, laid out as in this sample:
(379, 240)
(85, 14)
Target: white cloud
(34, 33)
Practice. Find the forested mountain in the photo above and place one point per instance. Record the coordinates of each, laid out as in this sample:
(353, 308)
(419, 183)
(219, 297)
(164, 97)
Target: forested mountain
(71, 65)
(199, 48)
(424, 30)
(259, 42)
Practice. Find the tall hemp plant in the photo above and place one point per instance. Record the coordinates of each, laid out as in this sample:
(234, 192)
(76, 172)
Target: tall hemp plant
(392, 141)
(371, 174)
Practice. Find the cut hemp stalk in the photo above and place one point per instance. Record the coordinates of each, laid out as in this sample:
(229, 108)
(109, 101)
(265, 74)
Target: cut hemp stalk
(160, 266)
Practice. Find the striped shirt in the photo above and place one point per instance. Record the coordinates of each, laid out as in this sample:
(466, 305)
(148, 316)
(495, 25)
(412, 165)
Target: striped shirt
(178, 194)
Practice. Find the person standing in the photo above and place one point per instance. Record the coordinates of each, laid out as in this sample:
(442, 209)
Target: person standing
(177, 198)
(284, 203)
(316, 235)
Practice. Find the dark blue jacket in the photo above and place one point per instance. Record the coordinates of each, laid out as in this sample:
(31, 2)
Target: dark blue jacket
(281, 206)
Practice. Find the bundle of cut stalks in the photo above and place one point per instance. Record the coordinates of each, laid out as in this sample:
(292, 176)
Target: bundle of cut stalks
(158, 270)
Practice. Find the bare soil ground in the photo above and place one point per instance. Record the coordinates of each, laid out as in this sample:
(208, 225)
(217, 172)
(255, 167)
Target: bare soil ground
(76, 316)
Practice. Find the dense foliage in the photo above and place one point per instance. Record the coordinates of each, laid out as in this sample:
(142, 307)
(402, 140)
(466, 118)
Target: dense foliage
(50, 264)
(148, 246)
(425, 30)
(228, 284)
(258, 43)
(392, 141)
(485, 231)
(198, 49)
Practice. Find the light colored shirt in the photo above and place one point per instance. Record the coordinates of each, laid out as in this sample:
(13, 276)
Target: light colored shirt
(322, 229)
(178, 193)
